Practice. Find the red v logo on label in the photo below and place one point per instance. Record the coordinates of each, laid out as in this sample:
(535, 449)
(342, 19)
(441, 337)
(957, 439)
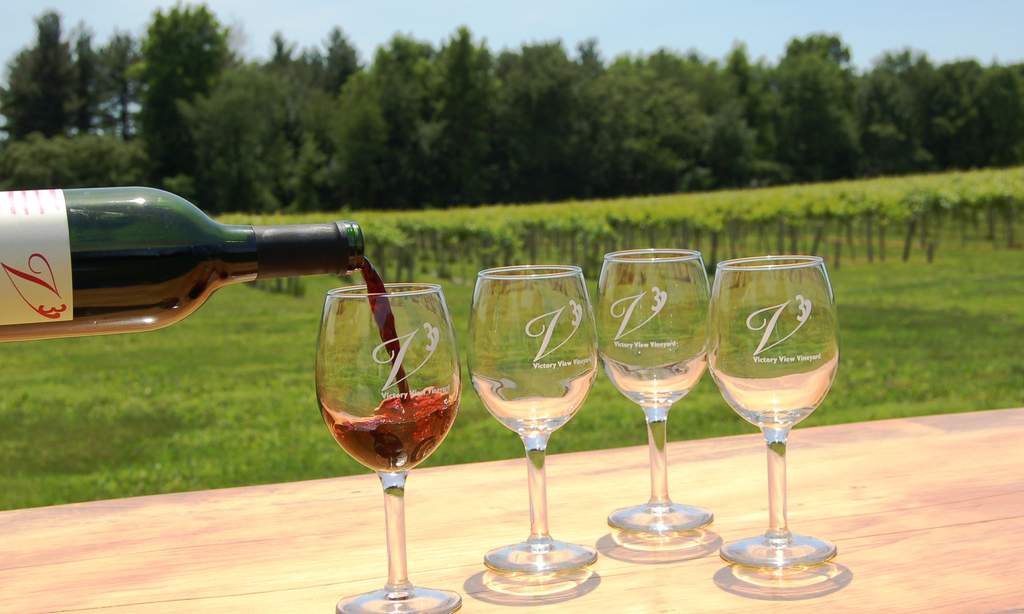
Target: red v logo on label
(34, 278)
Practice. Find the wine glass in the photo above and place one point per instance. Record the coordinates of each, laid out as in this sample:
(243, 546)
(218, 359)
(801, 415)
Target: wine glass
(388, 383)
(773, 351)
(652, 319)
(533, 359)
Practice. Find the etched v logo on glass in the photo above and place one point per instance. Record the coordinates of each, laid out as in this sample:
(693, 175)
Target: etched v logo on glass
(544, 326)
(383, 355)
(769, 323)
(623, 309)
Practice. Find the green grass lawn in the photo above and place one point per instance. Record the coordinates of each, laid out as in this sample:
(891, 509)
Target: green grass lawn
(226, 398)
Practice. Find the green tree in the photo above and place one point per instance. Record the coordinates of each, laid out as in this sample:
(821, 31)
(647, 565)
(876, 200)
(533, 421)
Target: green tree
(244, 159)
(755, 88)
(86, 99)
(119, 86)
(400, 85)
(694, 73)
(315, 182)
(282, 53)
(535, 109)
(340, 61)
(592, 140)
(828, 47)
(184, 52)
(818, 131)
(1001, 108)
(361, 140)
(87, 160)
(326, 69)
(39, 96)
(464, 102)
(730, 152)
(892, 126)
(657, 128)
(955, 128)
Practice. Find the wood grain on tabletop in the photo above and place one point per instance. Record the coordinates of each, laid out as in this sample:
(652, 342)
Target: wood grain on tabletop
(928, 514)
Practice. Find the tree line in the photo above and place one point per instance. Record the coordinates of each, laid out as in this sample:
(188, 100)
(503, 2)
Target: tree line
(422, 126)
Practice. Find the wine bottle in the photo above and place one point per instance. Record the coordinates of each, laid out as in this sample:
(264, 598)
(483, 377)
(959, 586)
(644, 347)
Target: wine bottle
(118, 260)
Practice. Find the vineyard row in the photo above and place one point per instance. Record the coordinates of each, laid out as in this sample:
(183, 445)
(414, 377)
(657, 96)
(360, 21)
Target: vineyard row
(875, 219)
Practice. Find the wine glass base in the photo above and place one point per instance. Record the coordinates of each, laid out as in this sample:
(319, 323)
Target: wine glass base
(797, 551)
(660, 518)
(539, 556)
(417, 599)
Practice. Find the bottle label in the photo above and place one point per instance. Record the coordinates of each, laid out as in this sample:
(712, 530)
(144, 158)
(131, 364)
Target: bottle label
(35, 258)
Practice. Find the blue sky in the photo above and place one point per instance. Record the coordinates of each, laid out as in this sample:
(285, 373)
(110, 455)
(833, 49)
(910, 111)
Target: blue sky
(985, 29)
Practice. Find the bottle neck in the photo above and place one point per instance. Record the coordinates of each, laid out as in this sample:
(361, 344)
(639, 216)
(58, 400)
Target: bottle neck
(296, 250)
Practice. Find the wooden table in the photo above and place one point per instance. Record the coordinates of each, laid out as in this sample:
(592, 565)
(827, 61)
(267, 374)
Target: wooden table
(928, 514)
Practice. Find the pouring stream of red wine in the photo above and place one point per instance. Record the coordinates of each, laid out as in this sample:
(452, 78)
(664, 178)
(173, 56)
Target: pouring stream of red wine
(385, 319)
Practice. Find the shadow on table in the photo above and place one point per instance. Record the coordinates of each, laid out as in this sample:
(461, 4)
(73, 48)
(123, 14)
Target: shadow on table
(793, 585)
(530, 589)
(648, 550)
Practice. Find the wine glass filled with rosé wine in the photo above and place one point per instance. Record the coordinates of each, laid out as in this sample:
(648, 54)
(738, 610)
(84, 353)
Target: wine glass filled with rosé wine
(388, 383)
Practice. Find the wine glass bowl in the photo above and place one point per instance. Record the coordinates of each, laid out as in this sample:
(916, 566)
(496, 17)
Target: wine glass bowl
(534, 375)
(774, 351)
(652, 319)
(388, 384)
(399, 436)
(397, 424)
(533, 359)
(533, 414)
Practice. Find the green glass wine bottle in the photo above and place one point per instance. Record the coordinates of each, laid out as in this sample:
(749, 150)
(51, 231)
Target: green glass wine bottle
(118, 260)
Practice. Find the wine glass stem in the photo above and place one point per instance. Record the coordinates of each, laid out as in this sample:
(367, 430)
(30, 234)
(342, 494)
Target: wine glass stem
(657, 435)
(536, 449)
(777, 528)
(398, 586)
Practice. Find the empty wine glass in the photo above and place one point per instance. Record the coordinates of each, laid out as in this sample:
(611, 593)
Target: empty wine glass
(652, 319)
(388, 383)
(533, 359)
(773, 351)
